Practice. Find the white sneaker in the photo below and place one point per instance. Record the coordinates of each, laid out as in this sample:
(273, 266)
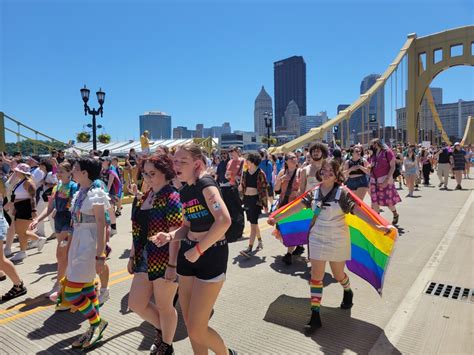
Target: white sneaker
(53, 291)
(104, 295)
(41, 242)
(32, 244)
(7, 252)
(19, 256)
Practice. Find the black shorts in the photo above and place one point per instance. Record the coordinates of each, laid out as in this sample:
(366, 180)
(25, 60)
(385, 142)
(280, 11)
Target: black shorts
(23, 210)
(252, 210)
(211, 264)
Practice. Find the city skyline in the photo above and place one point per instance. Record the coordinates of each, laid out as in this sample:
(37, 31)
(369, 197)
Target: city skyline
(187, 68)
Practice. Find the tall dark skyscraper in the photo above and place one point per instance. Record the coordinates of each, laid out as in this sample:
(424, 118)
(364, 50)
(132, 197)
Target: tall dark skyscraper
(290, 84)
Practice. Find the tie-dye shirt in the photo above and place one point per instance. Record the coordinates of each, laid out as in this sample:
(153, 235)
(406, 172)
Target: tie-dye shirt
(62, 195)
(164, 215)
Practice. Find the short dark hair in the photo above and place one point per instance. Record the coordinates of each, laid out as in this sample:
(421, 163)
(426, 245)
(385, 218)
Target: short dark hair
(47, 164)
(161, 162)
(92, 166)
(254, 158)
(322, 147)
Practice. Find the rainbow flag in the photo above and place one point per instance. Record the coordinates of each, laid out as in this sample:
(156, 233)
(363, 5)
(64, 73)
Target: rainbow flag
(370, 247)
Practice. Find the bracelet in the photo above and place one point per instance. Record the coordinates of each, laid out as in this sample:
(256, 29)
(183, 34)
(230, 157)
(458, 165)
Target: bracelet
(199, 250)
(172, 266)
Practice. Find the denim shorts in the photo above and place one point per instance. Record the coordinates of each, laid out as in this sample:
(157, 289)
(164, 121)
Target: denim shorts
(354, 183)
(3, 228)
(62, 222)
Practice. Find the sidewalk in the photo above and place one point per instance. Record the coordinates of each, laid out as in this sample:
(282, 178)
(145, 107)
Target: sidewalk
(264, 304)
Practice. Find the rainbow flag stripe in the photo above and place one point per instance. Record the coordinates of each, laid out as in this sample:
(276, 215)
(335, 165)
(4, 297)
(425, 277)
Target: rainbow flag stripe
(370, 247)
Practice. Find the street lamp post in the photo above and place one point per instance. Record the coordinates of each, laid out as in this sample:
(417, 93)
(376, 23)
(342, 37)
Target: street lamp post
(268, 116)
(87, 110)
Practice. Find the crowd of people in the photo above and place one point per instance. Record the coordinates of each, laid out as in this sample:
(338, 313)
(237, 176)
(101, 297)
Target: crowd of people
(188, 205)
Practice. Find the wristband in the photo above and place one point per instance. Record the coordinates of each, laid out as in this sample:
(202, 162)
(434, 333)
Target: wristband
(172, 266)
(199, 250)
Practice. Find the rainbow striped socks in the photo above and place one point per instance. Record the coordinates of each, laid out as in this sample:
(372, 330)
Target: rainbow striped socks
(345, 283)
(316, 294)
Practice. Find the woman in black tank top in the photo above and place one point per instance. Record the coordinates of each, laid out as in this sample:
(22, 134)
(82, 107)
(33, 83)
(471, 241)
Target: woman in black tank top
(203, 254)
(355, 170)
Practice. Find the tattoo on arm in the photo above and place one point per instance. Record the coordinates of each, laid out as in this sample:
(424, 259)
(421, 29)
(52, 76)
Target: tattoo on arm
(215, 204)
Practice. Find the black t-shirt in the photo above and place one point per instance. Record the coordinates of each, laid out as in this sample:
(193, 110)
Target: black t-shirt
(444, 156)
(196, 210)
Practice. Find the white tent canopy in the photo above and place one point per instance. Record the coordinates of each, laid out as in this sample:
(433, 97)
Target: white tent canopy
(123, 147)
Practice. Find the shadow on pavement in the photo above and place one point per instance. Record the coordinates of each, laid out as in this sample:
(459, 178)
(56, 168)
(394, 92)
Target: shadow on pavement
(339, 333)
(299, 267)
(58, 323)
(245, 262)
(31, 303)
(125, 254)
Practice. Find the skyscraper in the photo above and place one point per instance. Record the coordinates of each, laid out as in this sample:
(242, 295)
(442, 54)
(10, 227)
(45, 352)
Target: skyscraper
(292, 118)
(263, 103)
(157, 123)
(290, 84)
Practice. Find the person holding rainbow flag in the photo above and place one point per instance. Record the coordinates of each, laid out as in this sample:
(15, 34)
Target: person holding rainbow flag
(329, 238)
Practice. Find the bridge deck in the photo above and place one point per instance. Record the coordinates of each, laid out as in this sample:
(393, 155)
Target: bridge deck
(264, 304)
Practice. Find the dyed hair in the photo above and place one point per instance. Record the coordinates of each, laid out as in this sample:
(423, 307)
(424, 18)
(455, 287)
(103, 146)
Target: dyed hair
(163, 163)
(336, 167)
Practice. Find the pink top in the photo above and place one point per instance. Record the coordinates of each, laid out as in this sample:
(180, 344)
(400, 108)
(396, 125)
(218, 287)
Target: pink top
(381, 163)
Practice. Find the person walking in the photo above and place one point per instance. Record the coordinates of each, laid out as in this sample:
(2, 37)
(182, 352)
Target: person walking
(287, 185)
(86, 255)
(445, 160)
(411, 168)
(356, 171)
(459, 159)
(329, 239)
(254, 187)
(154, 268)
(203, 255)
(382, 187)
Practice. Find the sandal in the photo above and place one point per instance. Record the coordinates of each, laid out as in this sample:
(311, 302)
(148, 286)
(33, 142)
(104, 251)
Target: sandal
(15, 291)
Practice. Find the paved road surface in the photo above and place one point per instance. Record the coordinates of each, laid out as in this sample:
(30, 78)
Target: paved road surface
(264, 304)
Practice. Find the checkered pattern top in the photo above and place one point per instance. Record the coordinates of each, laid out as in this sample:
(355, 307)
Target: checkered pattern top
(165, 214)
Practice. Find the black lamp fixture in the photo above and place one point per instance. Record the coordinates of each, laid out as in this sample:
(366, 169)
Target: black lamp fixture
(85, 92)
(268, 116)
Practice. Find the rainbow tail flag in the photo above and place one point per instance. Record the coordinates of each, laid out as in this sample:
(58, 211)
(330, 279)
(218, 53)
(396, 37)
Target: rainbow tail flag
(371, 248)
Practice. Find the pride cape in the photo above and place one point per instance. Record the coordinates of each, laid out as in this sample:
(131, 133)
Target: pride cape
(370, 247)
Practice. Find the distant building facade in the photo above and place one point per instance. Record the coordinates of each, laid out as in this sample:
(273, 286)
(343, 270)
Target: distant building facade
(289, 84)
(263, 103)
(157, 123)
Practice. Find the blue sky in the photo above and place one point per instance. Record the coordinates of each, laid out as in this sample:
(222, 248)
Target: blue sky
(201, 61)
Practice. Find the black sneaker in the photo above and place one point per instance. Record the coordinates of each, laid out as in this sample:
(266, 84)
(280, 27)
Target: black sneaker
(287, 259)
(157, 342)
(232, 352)
(164, 349)
(347, 300)
(395, 219)
(3, 277)
(458, 187)
(298, 250)
(314, 323)
(15, 291)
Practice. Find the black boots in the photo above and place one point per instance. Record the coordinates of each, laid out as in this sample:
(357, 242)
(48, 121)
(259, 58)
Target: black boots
(347, 300)
(314, 323)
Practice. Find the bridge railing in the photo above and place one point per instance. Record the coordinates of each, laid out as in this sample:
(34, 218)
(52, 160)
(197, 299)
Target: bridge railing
(21, 132)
